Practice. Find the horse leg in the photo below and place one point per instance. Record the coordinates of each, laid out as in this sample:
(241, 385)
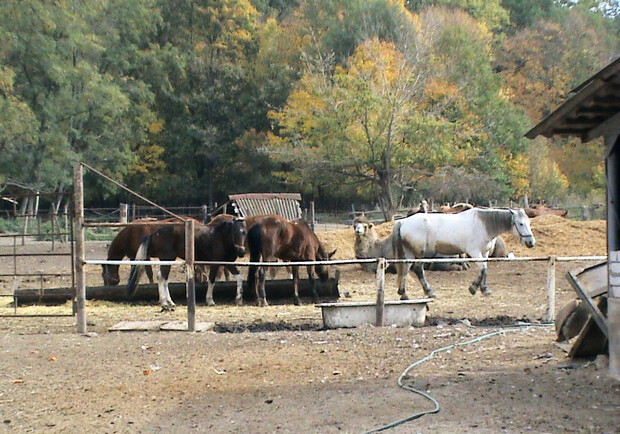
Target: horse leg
(402, 269)
(480, 281)
(260, 292)
(295, 271)
(211, 283)
(483, 281)
(418, 269)
(149, 273)
(162, 286)
(314, 284)
(239, 278)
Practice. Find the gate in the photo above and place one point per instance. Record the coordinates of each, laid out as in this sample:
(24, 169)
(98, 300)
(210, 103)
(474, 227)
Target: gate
(36, 251)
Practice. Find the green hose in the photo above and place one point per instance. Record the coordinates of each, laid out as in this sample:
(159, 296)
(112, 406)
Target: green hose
(407, 386)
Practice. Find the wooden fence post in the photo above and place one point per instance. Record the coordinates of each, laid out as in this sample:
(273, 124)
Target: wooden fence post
(189, 275)
(123, 212)
(78, 227)
(381, 266)
(550, 317)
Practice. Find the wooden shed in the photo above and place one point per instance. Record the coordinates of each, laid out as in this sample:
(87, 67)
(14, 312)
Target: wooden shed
(593, 111)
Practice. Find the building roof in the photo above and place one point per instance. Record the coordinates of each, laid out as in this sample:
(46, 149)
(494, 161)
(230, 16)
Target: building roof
(593, 110)
(283, 204)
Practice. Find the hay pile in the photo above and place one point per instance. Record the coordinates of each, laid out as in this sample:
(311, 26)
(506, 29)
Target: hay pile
(554, 236)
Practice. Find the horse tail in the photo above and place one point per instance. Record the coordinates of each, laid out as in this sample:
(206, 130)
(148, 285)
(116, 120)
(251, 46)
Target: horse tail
(397, 242)
(254, 244)
(138, 270)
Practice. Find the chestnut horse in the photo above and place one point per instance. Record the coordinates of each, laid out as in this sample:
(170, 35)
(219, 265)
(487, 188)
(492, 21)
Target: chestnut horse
(126, 244)
(220, 241)
(273, 237)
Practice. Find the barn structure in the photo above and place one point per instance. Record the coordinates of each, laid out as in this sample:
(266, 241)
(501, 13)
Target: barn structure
(286, 205)
(593, 111)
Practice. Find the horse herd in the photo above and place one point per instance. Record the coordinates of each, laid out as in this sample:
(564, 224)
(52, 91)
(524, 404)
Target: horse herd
(268, 238)
(223, 239)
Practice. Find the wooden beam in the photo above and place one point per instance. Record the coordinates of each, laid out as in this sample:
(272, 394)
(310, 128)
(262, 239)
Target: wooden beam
(608, 128)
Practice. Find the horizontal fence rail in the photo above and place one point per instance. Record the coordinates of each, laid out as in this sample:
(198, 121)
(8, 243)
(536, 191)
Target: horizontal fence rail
(381, 266)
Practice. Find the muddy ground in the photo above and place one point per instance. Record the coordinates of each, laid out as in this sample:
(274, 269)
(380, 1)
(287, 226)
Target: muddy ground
(276, 369)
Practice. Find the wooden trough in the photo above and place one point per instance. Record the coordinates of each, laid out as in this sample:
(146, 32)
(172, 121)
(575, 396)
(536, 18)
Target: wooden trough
(223, 291)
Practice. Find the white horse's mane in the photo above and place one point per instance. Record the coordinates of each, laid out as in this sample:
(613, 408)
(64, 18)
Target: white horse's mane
(496, 221)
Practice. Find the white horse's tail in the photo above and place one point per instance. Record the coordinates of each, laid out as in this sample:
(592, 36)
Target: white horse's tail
(397, 242)
(138, 270)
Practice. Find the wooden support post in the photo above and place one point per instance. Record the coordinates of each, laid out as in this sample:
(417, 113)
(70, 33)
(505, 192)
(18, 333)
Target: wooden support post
(550, 317)
(381, 266)
(65, 213)
(312, 216)
(204, 214)
(189, 275)
(54, 219)
(78, 226)
(123, 212)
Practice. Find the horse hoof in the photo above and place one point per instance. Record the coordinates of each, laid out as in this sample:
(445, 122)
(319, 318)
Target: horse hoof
(485, 291)
(430, 294)
(210, 303)
(238, 301)
(297, 302)
(404, 297)
(472, 290)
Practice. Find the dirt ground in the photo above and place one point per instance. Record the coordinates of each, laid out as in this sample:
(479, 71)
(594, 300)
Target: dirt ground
(275, 369)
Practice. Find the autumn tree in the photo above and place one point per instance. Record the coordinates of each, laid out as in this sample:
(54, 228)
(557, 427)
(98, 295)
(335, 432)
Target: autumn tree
(350, 127)
(540, 65)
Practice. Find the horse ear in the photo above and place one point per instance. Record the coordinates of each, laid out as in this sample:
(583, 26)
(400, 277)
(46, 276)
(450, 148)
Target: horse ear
(329, 255)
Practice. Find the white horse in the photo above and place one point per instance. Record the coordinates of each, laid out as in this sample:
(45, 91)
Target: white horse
(472, 232)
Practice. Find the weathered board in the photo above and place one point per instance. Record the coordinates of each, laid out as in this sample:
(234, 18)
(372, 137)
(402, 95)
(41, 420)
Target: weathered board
(223, 290)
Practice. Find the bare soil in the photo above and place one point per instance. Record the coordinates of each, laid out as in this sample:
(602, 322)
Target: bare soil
(275, 369)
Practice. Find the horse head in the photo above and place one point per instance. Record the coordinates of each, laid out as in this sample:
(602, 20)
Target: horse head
(239, 235)
(321, 270)
(521, 227)
(110, 275)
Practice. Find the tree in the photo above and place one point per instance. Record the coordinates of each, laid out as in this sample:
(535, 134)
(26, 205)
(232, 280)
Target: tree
(541, 64)
(350, 128)
(85, 107)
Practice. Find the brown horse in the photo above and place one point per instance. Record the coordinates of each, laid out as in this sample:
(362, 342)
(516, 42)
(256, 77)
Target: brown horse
(126, 244)
(272, 237)
(221, 241)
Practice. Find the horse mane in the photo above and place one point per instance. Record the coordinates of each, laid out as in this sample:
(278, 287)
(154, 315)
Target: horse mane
(496, 221)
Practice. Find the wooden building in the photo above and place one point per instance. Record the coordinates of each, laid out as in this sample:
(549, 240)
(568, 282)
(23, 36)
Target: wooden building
(593, 111)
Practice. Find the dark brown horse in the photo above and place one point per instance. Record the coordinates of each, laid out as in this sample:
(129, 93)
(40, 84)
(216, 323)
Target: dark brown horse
(272, 237)
(126, 244)
(221, 241)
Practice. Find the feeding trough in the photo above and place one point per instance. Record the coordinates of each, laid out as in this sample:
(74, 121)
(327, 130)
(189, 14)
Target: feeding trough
(403, 313)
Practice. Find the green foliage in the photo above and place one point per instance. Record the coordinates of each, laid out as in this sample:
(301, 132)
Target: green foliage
(187, 101)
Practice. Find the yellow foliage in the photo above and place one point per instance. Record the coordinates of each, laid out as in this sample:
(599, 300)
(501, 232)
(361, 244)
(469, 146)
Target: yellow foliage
(156, 127)
(518, 167)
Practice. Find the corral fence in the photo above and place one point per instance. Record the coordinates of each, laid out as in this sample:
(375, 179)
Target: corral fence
(549, 262)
